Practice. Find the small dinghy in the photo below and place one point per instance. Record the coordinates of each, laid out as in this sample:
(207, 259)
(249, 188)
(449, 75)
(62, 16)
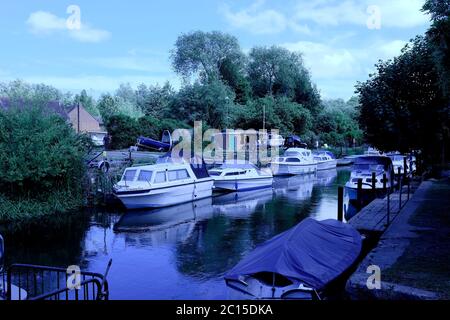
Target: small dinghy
(297, 264)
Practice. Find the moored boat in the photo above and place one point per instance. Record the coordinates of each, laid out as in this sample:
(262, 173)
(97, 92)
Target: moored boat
(363, 168)
(299, 263)
(162, 185)
(325, 160)
(294, 161)
(240, 177)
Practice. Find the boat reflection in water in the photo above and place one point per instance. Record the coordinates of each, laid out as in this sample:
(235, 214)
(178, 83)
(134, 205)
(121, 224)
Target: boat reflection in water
(241, 204)
(182, 216)
(326, 178)
(296, 187)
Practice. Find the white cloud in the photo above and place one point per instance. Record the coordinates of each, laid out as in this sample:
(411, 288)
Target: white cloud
(46, 23)
(336, 69)
(398, 13)
(257, 20)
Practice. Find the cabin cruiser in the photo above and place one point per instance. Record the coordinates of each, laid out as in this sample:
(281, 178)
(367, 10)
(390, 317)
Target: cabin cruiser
(294, 161)
(163, 184)
(240, 177)
(363, 168)
(299, 263)
(398, 162)
(325, 160)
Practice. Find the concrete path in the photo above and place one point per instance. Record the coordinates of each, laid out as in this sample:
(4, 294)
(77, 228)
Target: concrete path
(414, 253)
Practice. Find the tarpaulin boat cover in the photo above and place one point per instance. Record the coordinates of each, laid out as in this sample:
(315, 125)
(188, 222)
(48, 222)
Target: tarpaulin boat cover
(314, 252)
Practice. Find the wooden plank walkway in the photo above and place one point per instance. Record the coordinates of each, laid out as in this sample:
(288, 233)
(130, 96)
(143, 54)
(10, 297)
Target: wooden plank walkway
(374, 216)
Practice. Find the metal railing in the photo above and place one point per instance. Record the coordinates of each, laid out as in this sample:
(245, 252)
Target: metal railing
(33, 282)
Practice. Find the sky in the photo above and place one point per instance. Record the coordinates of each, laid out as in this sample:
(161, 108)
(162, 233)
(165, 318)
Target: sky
(116, 42)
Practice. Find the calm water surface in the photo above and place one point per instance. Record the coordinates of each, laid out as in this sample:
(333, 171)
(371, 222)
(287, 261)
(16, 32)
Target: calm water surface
(181, 252)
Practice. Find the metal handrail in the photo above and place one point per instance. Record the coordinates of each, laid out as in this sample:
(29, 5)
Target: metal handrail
(96, 279)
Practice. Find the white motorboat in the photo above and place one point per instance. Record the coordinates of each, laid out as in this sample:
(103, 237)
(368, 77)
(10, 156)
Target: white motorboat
(162, 185)
(363, 168)
(398, 162)
(294, 161)
(325, 160)
(240, 177)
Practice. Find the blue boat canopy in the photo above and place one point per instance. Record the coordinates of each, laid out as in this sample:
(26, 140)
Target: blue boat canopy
(313, 252)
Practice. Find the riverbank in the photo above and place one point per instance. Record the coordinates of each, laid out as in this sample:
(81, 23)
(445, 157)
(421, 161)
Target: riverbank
(414, 252)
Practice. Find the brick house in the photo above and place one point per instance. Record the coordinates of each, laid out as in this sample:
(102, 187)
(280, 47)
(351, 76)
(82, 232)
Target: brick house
(83, 121)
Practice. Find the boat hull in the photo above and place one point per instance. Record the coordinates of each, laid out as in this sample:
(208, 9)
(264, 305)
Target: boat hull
(243, 184)
(326, 165)
(168, 196)
(283, 169)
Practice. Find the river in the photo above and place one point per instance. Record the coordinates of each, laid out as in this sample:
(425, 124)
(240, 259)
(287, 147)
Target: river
(180, 252)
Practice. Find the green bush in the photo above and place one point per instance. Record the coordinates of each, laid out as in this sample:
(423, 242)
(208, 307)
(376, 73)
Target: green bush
(41, 164)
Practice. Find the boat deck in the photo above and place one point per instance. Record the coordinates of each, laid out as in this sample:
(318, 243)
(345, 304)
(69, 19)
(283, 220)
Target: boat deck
(374, 216)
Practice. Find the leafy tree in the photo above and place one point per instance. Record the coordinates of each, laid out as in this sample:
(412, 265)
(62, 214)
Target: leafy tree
(107, 106)
(203, 53)
(280, 72)
(155, 100)
(87, 102)
(234, 75)
(401, 105)
(124, 131)
(439, 38)
(210, 102)
(39, 151)
(22, 93)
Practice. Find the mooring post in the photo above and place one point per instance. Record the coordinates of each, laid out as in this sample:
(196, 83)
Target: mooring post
(359, 194)
(400, 196)
(384, 182)
(404, 167)
(374, 180)
(399, 176)
(388, 207)
(340, 212)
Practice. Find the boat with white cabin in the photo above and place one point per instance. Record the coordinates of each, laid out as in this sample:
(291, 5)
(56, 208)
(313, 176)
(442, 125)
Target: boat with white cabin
(363, 168)
(163, 184)
(240, 177)
(325, 160)
(294, 161)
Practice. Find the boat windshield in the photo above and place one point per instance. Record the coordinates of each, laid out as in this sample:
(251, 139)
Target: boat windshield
(292, 153)
(368, 167)
(145, 175)
(129, 175)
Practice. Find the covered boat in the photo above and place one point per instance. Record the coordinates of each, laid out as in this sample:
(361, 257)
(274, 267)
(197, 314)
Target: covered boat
(297, 264)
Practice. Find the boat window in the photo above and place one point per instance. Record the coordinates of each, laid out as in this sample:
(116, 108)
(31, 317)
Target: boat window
(293, 160)
(160, 177)
(324, 158)
(275, 279)
(368, 167)
(182, 174)
(215, 173)
(232, 174)
(129, 175)
(291, 153)
(178, 174)
(317, 159)
(145, 175)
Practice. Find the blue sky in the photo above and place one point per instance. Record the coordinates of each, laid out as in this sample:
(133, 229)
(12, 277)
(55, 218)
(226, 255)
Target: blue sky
(130, 41)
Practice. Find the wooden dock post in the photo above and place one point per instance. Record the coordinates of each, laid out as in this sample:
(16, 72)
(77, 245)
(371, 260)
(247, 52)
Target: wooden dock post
(359, 194)
(399, 176)
(374, 180)
(340, 209)
(404, 167)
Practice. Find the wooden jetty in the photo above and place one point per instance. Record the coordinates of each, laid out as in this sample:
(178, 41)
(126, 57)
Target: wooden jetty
(375, 217)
